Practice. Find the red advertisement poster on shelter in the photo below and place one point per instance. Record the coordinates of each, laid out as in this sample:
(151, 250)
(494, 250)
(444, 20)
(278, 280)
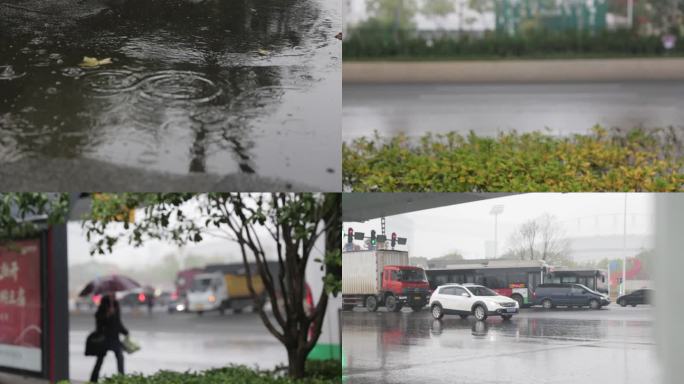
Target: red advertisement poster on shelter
(20, 305)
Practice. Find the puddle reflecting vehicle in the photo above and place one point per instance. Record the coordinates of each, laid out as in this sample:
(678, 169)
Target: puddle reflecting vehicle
(470, 299)
(568, 295)
(640, 296)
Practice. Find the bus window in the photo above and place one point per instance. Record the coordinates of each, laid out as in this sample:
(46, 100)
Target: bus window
(516, 278)
(494, 282)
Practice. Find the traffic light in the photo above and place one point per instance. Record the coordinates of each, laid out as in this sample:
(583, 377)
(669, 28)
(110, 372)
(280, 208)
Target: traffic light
(350, 236)
(394, 239)
(373, 239)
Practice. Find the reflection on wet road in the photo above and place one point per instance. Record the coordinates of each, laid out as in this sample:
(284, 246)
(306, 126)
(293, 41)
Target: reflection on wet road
(488, 109)
(613, 345)
(181, 342)
(217, 87)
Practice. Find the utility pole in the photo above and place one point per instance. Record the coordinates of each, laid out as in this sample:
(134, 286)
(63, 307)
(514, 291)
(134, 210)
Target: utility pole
(630, 13)
(624, 249)
(496, 211)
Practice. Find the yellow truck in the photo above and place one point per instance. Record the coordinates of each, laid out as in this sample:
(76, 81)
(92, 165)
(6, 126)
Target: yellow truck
(224, 286)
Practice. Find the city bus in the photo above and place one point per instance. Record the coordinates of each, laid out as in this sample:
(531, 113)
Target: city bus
(516, 279)
(596, 279)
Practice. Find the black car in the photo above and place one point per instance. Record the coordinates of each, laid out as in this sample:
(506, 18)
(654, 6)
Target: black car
(568, 295)
(640, 296)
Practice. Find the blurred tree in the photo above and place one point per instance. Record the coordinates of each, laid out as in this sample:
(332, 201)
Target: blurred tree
(439, 7)
(396, 13)
(393, 15)
(540, 239)
(451, 256)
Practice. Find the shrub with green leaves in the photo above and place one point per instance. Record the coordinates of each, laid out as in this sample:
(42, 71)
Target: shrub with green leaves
(380, 44)
(604, 160)
(319, 372)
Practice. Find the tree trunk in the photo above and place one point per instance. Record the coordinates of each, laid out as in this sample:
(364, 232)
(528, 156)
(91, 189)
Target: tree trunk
(297, 362)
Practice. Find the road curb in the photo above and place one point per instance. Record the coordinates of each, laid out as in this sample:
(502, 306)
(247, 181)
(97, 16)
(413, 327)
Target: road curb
(514, 71)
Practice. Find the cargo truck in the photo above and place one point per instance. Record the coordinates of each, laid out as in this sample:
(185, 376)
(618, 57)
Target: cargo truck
(224, 286)
(378, 278)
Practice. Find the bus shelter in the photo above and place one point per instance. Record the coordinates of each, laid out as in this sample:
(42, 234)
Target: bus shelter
(34, 313)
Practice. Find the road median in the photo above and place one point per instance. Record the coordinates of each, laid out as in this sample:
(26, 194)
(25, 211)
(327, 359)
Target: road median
(513, 71)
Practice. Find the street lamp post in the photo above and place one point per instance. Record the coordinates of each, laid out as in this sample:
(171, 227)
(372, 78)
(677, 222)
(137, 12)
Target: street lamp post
(624, 250)
(496, 211)
(630, 13)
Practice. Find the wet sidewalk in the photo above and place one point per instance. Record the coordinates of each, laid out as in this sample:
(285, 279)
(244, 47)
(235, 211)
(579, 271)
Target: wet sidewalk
(514, 71)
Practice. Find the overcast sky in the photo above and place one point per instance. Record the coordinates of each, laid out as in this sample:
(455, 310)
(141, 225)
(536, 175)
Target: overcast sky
(467, 227)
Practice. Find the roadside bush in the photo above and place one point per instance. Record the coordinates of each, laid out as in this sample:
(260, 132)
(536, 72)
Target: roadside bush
(320, 372)
(604, 160)
(324, 369)
(370, 44)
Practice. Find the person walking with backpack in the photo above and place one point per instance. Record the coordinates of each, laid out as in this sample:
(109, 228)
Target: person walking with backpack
(109, 326)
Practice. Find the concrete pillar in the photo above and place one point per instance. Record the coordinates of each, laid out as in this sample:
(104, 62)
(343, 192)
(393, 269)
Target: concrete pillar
(668, 284)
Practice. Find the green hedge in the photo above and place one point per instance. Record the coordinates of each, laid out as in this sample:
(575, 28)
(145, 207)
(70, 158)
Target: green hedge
(364, 44)
(637, 160)
(319, 372)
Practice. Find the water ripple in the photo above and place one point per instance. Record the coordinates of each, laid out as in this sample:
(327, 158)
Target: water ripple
(185, 86)
(7, 72)
(111, 81)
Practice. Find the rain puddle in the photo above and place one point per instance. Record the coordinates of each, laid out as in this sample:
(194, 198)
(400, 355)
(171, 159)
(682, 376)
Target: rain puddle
(217, 87)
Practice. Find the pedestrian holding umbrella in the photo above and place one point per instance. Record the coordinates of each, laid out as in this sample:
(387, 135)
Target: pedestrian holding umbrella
(108, 322)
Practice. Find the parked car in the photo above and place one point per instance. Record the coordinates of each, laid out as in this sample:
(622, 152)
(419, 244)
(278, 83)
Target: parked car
(640, 296)
(568, 295)
(471, 299)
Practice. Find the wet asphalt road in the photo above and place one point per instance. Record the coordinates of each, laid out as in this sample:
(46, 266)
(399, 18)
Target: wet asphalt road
(613, 345)
(491, 108)
(181, 342)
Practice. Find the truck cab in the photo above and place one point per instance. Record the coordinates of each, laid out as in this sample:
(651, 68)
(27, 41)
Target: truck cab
(207, 293)
(404, 285)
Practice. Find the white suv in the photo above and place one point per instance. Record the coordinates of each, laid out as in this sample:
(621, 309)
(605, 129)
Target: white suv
(470, 299)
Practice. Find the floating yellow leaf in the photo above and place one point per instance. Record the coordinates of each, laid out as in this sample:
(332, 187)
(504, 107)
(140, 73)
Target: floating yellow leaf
(263, 52)
(90, 62)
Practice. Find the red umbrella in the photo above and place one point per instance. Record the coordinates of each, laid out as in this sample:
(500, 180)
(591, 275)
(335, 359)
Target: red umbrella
(109, 284)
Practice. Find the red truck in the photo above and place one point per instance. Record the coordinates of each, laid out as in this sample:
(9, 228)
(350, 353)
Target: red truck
(378, 278)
